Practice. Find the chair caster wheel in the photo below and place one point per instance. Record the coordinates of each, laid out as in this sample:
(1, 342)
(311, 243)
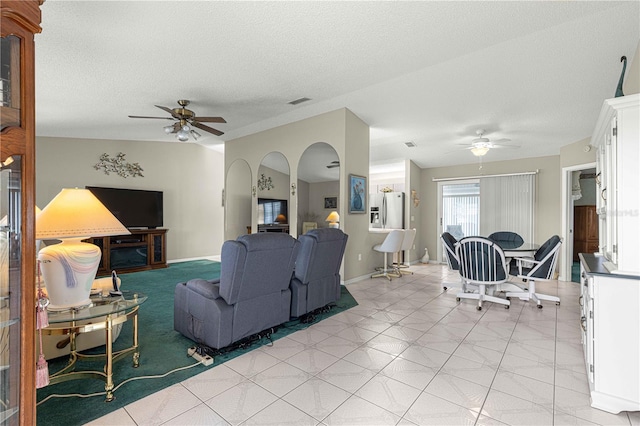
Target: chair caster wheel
(457, 299)
(479, 308)
(506, 306)
(557, 303)
(539, 306)
(508, 298)
(444, 288)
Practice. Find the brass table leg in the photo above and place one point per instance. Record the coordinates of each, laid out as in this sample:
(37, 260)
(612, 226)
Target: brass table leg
(136, 353)
(108, 387)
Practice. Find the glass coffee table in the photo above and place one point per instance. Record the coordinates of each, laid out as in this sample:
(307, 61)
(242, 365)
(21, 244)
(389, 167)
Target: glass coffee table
(103, 314)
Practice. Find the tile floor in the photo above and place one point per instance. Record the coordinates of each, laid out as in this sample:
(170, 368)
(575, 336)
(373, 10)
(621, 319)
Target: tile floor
(408, 354)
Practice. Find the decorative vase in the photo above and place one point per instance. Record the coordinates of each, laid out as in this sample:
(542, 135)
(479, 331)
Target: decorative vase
(619, 91)
(357, 202)
(425, 258)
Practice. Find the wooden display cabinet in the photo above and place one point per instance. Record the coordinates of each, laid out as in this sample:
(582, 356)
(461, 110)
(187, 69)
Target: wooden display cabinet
(19, 21)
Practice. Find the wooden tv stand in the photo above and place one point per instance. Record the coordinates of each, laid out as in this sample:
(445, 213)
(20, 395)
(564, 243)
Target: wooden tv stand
(143, 250)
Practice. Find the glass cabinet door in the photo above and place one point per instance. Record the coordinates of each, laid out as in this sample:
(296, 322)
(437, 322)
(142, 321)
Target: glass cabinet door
(10, 295)
(9, 81)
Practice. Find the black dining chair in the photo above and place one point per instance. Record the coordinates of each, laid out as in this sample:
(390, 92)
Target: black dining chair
(539, 268)
(511, 239)
(482, 263)
(449, 248)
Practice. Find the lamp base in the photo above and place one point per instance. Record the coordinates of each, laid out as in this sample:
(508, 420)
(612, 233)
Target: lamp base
(334, 225)
(68, 270)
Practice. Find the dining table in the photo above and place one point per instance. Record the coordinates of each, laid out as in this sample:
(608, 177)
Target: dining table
(514, 249)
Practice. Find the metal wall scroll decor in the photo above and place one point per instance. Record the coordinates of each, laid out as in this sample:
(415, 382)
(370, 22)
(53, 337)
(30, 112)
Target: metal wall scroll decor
(265, 183)
(118, 165)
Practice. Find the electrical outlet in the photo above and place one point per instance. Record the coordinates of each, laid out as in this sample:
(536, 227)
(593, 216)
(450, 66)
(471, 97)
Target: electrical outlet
(359, 256)
(204, 359)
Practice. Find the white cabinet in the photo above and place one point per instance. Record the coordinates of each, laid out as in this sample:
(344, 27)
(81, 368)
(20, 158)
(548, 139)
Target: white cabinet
(610, 321)
(617, 138)
(610, 281)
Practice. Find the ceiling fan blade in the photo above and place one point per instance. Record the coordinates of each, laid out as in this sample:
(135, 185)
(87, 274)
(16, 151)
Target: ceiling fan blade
(501, 140)
(176, 127)
(210, 119)
(169, 110)
(207, 128)
(142, 116)
(504, 146)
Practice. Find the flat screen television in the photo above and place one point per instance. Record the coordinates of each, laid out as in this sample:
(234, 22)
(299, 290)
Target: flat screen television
(269, 209)
(134, 208)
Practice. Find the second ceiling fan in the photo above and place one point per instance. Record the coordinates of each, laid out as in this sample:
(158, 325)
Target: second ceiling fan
(481, 145)
(184, 120)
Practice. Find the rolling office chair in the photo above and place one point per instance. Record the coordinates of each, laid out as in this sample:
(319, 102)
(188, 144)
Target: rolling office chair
(391, 244)
(482, 263)
(407, 244)
(507, 240)
(540, 268)
(511, 238)
(449, 248)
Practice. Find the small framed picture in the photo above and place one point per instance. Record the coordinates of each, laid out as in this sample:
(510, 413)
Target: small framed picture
(331, 203)
(357, 194)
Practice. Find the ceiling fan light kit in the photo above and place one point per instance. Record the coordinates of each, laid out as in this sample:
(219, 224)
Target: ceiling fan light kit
(479, 151)
(185, 119)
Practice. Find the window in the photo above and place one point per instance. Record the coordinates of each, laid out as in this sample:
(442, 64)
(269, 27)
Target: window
(461, 209)
(483, 205)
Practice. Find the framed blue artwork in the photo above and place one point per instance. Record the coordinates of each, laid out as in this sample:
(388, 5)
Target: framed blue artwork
(357, 194)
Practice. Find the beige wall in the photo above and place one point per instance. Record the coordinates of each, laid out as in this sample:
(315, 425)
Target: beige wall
(548, 211)
(189, 175)
(577, 153)
(414, 213)
(349, 136)
(631, 82)
(317, 192)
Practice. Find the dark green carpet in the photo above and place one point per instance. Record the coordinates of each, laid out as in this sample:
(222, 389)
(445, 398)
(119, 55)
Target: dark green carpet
(161, 349)
(575, 272)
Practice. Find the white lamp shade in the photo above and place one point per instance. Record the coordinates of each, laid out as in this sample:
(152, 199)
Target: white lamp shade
(69, 268)
(333, 219)
(75, 213)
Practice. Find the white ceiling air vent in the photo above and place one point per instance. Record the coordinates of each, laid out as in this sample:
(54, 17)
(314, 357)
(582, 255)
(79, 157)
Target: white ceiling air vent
(410, 144)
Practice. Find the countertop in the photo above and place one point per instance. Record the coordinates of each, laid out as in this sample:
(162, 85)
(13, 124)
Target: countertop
(594, 265)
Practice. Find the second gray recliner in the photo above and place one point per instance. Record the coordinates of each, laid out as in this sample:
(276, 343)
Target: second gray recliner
(316, 280)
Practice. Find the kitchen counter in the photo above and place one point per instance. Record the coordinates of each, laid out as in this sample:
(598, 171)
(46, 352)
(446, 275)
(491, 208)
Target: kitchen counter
(381, 231)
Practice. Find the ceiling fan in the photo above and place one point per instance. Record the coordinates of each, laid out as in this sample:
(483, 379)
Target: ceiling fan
(184, 119)
(481, 145)
(333, 164)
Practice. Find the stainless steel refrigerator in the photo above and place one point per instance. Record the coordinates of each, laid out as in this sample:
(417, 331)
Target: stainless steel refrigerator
(386, 210)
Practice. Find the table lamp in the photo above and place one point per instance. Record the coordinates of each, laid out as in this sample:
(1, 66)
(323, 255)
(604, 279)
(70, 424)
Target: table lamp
(281, 218)
(69, 268)
(333, 220)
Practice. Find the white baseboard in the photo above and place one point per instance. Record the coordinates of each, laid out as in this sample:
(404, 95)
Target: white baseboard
(215, 258)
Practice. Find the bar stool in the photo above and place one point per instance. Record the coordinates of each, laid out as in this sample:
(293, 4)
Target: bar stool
(391, 244)
(407, 244)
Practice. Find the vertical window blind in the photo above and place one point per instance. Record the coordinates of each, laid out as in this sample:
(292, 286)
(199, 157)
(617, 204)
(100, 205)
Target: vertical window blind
(507, 204)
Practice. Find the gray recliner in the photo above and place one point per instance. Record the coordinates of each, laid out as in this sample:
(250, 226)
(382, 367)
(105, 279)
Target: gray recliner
(251, 295)
(316, 280)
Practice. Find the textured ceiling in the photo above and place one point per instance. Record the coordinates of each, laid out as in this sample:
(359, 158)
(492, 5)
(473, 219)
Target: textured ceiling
(427, 72)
